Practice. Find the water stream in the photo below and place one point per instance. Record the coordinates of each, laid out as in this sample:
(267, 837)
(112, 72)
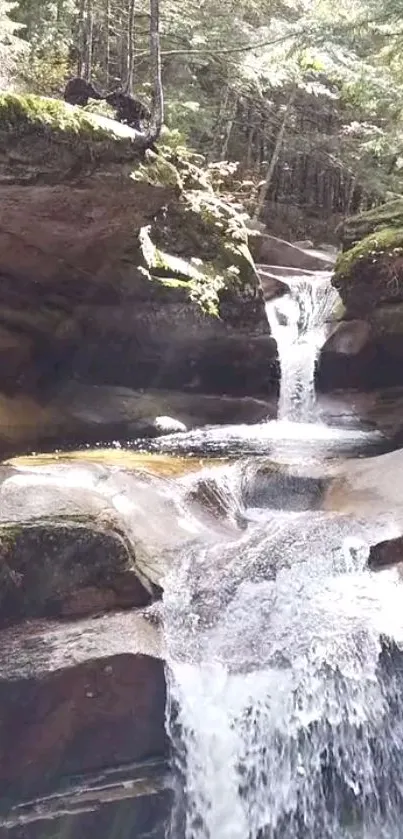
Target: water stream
(284, 668)
(299, 322)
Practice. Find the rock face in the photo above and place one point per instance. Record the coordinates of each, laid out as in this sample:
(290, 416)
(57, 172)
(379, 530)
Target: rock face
(82, 687)
(115, 267)
(101, 413)
(369, 278)
(386, 553)
(76, 708)
(83, 746)
(82, 739)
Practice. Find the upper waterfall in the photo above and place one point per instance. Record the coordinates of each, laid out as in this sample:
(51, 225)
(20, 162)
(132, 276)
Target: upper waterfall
(299, 322)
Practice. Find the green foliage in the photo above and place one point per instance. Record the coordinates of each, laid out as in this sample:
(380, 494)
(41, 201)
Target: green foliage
(230, 71)
(45, 71)
(11, 45)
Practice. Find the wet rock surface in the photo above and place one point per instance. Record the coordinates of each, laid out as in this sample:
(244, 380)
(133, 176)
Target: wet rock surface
(82, 710)
(368, 276)
(134, 807)
(89, 414)
(385, 554)
(82, 700)
(66, 569)
(81, 696)
(116, 269)
(272, 251)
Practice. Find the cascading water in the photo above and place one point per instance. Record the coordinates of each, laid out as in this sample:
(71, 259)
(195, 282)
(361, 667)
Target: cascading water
(283, 705)
(299, 323)
(284, 670)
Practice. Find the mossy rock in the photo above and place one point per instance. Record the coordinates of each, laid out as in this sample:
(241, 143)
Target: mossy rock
(387, 216)
(123, 231)
(54, 568)
(371, 273)
(222, 275)
(41, 137)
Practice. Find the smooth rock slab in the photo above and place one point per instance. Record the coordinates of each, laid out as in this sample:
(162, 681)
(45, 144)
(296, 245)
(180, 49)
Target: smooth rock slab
(77, 698)
(131, 810)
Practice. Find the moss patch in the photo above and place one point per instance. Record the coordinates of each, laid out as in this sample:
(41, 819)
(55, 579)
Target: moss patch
(211, 253)
(24, 114)
(387, 216)
(370, 274)
(46, 139)
(387, 241)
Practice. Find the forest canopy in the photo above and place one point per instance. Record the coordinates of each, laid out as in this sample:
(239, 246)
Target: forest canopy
(303, 99)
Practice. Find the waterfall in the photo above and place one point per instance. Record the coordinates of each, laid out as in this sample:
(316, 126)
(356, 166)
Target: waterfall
(285, 708)
(299, 323)
(283, 655)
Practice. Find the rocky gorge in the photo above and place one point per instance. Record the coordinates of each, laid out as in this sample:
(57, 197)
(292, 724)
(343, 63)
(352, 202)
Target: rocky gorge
(134, 312)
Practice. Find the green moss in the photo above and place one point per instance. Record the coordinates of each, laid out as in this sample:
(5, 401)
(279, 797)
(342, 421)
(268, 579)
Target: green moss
(201, 280)
(21, 114)
(157, 171)
(8, 534)
(389, 215)
(45, 138)
(386, 241)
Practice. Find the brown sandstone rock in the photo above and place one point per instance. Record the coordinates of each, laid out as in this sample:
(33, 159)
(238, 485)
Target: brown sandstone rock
(86, 295)
(77, 698)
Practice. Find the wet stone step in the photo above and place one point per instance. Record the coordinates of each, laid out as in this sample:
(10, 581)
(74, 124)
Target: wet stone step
(77, 698)
(131, 801)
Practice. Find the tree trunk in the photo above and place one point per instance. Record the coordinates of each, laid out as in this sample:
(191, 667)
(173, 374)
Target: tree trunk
(228, 129)
(81, 38)
(157, 116)
(276, 153)
(218, 128)
(130, 50)
(89, 34)
(107, 41)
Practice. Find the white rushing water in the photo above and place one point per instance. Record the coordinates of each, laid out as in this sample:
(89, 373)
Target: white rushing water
(299, 322)
(283, 708)
(284, 669)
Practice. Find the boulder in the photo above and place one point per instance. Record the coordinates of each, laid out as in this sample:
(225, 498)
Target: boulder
(348, 338)
(347, 356)
(117, 267)
(75, 699)
(75, 538)
(273, 280)
(272, 251)
(369, 278)
(385, 554)
(66, 568)
(303, 243)
(372, 487)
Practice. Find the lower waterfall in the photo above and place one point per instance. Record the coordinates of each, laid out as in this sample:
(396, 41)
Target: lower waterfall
(284, 670)
(283, 701)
